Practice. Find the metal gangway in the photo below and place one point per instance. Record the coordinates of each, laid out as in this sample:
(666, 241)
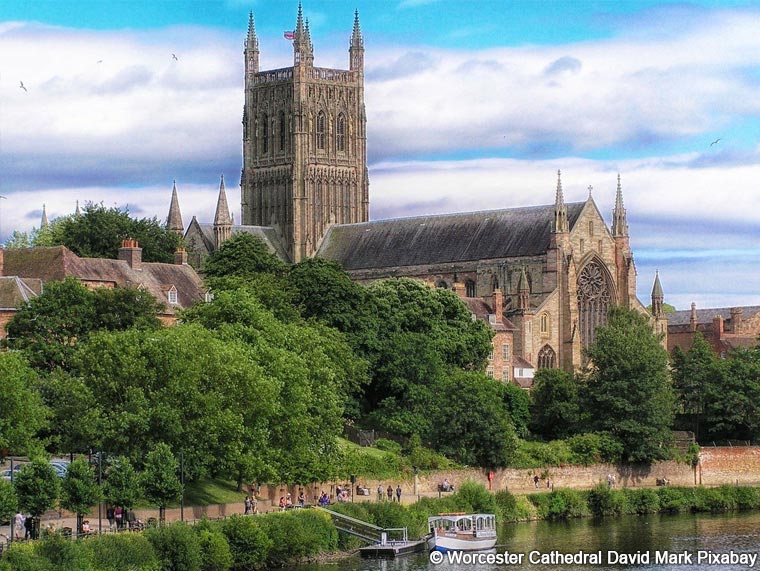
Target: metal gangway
(367, 531)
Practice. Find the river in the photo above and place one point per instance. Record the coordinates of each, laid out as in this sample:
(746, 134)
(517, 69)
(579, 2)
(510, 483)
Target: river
(713, 538)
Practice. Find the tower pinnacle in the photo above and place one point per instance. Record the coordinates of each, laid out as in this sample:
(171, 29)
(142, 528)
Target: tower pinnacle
(174, 219)
(251, 47)
(619, 223)
(44, 221)
(222, 219)
(560, 210)
(356, 49)
(657, 297)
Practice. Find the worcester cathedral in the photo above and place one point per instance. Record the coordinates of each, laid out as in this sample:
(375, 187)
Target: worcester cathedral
(542, 276)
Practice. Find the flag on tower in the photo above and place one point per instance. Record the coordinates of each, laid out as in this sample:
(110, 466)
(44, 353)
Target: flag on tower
(290, 35)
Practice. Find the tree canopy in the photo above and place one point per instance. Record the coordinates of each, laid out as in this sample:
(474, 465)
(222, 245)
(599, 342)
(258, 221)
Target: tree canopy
(556, 409)
(22, 412)
(242, 255)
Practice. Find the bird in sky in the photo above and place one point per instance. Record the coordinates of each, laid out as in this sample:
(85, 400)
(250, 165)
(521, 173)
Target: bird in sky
(100, 61)
(715, 142)
(21, 85)
(175, 58)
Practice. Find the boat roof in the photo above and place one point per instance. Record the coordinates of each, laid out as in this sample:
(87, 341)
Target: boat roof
(456, 516)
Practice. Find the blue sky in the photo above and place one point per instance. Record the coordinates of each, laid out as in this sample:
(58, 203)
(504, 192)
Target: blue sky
(471, 105)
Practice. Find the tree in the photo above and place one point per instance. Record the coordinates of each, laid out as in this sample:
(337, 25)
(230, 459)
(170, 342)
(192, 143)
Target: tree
(48, 327)
(79, 489)
(243, 255)
(732, 398)
(122, 484)
(8, 500)
(160, 480)
(556, 409)
(472, 424)
(628, 392)
(693, 373)
(37, 487)
(22, 413)
(98, 232)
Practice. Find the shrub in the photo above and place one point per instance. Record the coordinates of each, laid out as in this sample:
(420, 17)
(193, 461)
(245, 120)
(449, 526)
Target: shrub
(605, 502)
(672, 500)
(119, 551)
(215, 551)
(594, 447)
(560, 504)
(295, 535)
(177, 547)
(388, 514)
(747, 498)
(642, 501)
(370, 462)
(248, 542)
(511, 508)
(388, 445)
(540, 454)
(62, 553)
(471, 496)
(24, 557)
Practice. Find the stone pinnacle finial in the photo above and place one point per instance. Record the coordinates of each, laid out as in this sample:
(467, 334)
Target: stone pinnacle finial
(619, 222)
(44, 221)
(174, 219)
(222, 216)
(356, 36)
(560, 209)
(77, 212)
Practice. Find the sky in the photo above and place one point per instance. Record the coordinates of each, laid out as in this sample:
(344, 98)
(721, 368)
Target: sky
(470, 106)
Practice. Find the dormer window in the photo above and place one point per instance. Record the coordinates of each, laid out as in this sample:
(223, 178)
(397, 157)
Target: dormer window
(171, 294)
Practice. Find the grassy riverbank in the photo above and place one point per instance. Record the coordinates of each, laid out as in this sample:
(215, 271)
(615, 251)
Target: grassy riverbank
(282, 539)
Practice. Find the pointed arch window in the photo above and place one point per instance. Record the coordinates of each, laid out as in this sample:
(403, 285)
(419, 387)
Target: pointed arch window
(264, 135)
(545, 325)
(593, 301)
(340, 130)
(469, 288)
(547, 358)
(442, 285)
(283, 130)
(321, 131)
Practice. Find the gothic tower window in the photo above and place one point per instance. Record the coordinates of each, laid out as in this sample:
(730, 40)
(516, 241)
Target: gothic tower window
(283, 130)
(264, 135)
(546, 357)
(321, 131)
(341, 133)
(469, 288)
(545, 325)
(593, 301)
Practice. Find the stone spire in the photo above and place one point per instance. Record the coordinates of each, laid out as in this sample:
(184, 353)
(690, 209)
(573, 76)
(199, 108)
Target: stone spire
(44, 221)
(560, 209)
(222, 219)
(523, 291)
(657, 297)
(77, 212)
(174, 220)
(693, 317)
(251, 47)
(303, 52)
(619, 223)
(356, 50)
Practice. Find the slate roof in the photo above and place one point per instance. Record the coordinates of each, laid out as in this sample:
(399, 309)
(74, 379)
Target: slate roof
(460, 237)
(266, 233)
(482, 310)
(682, 317)
(58, 262)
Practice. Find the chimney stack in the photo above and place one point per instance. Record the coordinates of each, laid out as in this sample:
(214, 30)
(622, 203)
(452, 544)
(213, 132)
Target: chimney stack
(131, 252)
(693, 317)
(736, 318)
(718, 326)
(180, 256)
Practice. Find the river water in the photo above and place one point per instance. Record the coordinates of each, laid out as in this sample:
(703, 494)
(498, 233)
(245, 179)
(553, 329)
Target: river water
(703, 542)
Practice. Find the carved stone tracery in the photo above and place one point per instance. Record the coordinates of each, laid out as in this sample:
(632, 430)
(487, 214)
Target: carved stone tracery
(593, 300)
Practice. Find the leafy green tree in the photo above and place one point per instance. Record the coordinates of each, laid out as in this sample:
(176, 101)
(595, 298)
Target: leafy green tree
(19, 239)
(98, 232)
(79, 489)
(8, 500)
(732, 399)
(556, 409)
(160, 478)
(49, 326)
(122, 484)
(22, 413)
(628, 392)
(472, 425)
(37, 488)
(693, 373)
(517, 402)
(243, 255)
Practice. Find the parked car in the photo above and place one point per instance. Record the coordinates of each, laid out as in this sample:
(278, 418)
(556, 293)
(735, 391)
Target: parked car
(60, 467)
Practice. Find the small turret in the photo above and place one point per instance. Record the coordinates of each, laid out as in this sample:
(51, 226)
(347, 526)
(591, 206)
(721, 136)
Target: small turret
(560, 209)
(174, 219)
(303, 52)
(222, 218)
(251, 48)
(44, 221)
(356, 50)
(523, 292)
(619, 223)
(77, 212)
(657, 297)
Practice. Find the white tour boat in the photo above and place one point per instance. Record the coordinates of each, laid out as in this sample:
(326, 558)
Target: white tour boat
(462, 532)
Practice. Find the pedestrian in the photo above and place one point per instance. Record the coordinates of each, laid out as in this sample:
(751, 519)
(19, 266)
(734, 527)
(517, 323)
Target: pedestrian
(535, 480)
(28, 524)
(380, 492)
(398, 493)
(118, 514)
(247, 505)
(18, 523)
(301, 499)
(548, 483)
(254, 504)
(390, 493)
(609, 480)
(110, 517)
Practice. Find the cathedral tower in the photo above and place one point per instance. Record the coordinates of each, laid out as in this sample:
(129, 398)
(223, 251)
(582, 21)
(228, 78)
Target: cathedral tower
(304, 143)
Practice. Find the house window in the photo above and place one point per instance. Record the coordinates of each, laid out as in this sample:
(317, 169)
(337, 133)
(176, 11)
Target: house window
(489, 372)
(490, 355)
(172, 295)
(469, 288)
(321, 131)
(505, 351)
(341, 133)
(505, 374)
